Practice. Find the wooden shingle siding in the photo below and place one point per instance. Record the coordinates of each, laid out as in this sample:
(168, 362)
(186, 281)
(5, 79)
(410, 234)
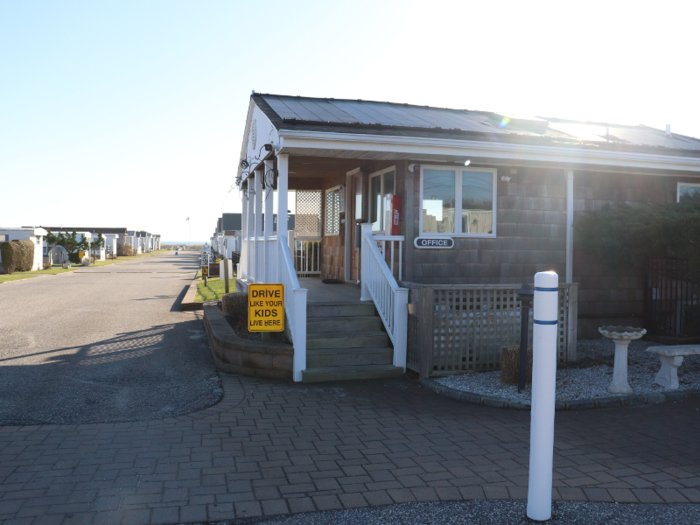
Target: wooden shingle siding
(531, 234)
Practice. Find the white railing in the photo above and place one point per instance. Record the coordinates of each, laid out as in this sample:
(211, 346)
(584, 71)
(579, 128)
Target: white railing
(243, 265)
(307, 255)
(393, 241)
(271, 264)
(294, 306)
(378, 285)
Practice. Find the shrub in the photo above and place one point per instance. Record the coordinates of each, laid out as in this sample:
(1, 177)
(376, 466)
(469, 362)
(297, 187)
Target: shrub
(9, 258)
(234, 306)
(47, 266)
(74, 258)
(125, 250)
(510, 363)
(26, 260)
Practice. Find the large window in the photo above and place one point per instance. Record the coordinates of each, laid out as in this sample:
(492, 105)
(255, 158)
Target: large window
(458, 201)
(381, 184)
(685, 188)
(334, 206)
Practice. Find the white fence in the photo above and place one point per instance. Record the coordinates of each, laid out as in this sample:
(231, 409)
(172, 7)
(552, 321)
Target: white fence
(378, 285)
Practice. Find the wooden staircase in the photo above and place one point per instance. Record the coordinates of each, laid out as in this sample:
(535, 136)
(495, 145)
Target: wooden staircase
(345, 341)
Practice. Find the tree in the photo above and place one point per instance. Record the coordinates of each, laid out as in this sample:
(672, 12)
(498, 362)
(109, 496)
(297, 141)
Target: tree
(69, 241)
(97, 244)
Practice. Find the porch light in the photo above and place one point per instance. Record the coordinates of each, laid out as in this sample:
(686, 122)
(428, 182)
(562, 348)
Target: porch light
(467, 162)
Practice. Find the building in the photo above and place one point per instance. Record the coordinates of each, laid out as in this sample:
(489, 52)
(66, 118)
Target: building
(457, 203)
(36, 235)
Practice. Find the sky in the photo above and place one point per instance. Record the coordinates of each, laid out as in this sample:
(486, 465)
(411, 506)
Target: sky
(131, 113)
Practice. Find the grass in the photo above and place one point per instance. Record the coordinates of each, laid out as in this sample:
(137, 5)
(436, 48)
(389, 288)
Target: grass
(15, 277)
(57, 268)
(214, 290)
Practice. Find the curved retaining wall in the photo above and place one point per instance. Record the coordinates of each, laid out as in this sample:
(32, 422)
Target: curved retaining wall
(235, 355)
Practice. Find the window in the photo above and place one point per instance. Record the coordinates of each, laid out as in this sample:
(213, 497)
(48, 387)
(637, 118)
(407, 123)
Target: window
(334, 206)
(458, 201)
(688, 189)
(381, 184)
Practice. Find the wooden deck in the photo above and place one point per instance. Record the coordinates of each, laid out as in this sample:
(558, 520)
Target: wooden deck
(329, 293)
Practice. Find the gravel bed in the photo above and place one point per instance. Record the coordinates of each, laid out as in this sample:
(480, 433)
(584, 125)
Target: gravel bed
(492, 512)
(587, 383)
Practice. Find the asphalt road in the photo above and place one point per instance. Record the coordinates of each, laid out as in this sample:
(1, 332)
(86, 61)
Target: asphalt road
(104, 344)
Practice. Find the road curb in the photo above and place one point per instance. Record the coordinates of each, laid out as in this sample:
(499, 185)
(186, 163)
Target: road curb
(188, 304)
(562, 404)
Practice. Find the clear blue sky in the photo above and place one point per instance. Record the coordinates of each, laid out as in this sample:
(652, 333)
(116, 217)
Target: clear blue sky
(131, 113)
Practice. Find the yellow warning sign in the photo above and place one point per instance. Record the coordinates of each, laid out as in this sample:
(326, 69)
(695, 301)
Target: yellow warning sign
(218, 260)
(205, 271)
(266, 307)
(81, 254)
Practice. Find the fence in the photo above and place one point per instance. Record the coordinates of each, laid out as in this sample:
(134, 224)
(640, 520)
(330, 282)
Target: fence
(458, 328)
(672, 299)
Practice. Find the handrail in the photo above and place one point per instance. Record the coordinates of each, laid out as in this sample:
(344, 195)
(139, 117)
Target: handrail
(294, 305)
(378, 285)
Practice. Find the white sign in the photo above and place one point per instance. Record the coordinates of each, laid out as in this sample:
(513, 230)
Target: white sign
(444, 243)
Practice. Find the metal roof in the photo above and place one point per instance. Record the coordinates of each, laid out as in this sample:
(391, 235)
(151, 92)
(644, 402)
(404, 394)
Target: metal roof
(369, 117)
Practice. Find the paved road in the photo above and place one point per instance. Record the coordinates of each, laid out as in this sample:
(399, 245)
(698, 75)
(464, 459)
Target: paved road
(103, 344)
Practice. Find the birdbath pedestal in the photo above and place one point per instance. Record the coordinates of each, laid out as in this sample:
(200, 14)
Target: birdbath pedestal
(621, 335)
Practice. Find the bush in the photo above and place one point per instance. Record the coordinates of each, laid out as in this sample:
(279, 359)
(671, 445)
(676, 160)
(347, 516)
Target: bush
(9, 257)
(234, 306)
(125, 250)
(26, 261)
(47, 266)
(74, 258)
(510, 363)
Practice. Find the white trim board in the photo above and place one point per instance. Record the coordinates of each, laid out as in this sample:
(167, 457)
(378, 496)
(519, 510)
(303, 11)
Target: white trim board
(290, 139)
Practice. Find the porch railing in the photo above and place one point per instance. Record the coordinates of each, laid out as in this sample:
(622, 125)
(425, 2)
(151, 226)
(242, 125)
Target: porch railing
(294, 305)
(389, 253)
(378, 285)
(307, 256)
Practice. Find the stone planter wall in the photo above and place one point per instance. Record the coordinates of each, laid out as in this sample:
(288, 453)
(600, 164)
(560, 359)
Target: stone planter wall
(235, 355)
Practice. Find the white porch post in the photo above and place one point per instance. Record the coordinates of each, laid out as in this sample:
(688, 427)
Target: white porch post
(269, 264)
(569, 226)
(250, 224)
(244, 232)
(259, 254)
(282, 195)
(364, 262)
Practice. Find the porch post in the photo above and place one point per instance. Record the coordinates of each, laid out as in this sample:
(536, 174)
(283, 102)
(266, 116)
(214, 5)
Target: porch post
(282, 195)
(569, 226)
(364, 260)
(250, 223)
(244, 232)
(259, 261)
(269, 224)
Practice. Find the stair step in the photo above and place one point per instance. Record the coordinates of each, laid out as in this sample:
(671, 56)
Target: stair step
(347, 340)
(340, 309)
(334, 357)
(347, 373)
(360, 323)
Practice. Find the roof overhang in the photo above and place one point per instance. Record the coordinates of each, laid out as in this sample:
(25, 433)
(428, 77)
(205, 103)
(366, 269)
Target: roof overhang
(330, 144)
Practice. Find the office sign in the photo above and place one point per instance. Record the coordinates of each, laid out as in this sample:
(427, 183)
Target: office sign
(266, 308)
(444, 243)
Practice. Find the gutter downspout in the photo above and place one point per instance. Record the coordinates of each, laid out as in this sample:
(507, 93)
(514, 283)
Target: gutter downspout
(569, 226)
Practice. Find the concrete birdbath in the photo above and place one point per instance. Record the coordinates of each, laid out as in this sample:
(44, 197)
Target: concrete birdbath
(621, 335)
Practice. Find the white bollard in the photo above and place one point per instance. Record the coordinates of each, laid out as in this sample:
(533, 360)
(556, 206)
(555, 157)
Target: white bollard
(544, 376)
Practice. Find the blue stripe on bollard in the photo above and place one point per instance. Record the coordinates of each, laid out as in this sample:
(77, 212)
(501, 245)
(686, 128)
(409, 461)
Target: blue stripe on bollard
(537, 289)
(545, 322)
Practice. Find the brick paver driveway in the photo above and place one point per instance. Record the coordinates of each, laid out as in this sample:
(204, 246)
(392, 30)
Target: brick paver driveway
(273, 447)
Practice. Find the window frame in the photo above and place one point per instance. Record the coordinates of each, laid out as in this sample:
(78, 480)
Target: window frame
(458, 200)
(341, 209)
(678, 188)
(380, 211)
